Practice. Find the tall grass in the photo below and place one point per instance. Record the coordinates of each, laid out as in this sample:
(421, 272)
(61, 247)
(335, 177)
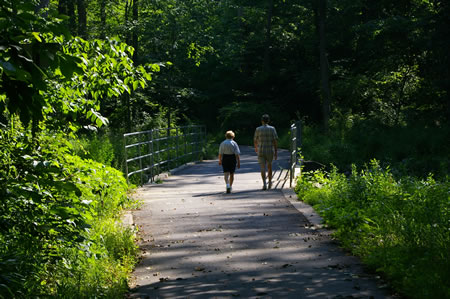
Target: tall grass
(400, 227)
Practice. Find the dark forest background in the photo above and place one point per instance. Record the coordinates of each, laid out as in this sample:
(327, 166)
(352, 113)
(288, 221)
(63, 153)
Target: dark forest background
(367, 79)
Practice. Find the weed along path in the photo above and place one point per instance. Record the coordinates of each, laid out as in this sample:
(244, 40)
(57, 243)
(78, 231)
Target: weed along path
(199, 242)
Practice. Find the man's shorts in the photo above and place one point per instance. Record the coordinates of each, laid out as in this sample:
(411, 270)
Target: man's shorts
(265, 158)
(229, 163)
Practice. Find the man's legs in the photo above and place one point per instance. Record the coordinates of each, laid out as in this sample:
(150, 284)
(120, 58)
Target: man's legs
(263, 174)
(269, 173)
(231, 178)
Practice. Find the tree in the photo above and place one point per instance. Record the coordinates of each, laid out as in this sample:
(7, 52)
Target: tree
(324, 77)
(82, 18)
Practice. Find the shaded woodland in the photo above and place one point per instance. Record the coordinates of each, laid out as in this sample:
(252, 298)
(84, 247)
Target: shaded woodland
(367, 79)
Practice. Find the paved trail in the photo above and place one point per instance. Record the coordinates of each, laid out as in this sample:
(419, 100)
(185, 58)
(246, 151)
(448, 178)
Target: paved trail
(199, 242)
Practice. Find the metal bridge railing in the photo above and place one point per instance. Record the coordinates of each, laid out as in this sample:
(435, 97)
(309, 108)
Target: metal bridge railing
(149, 153)
(295, 144)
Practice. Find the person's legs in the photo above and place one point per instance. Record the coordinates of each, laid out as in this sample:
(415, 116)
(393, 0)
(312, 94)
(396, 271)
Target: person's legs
(231, 178)
(269, 174)
(227, 181)
(226, 176)
(263, 174)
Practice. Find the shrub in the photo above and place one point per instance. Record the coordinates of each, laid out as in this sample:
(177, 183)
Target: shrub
(410, 150)
(59, 221)
(400, 227)
(97, 148)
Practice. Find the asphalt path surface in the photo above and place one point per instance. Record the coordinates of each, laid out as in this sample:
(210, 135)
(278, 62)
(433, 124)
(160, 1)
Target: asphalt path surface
(199, 242)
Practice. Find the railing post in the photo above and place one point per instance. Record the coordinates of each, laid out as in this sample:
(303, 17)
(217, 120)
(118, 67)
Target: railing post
(185, 141)
(126, 158)
(140, 162)
(150, 149)
(298, 137)
(159, 155)
(176, 148)
(293, 153)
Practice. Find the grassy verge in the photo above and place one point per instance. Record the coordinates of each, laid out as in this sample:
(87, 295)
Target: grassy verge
(61, 234)
(399, 227)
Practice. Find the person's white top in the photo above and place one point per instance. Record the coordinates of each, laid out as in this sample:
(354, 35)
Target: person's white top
(229, 147)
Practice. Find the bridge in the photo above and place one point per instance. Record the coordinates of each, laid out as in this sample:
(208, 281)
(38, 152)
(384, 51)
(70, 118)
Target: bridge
(199, 242)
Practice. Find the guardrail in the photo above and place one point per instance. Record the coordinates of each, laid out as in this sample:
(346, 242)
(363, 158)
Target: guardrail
(151, 152)
(296, 143)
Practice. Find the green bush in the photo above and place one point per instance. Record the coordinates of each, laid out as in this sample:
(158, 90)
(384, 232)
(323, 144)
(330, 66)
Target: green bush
(400, 227)
(97, 147)
(410, 150)
(60, 231)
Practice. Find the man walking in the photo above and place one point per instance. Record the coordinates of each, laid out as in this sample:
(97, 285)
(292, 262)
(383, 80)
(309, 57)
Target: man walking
(266, 144)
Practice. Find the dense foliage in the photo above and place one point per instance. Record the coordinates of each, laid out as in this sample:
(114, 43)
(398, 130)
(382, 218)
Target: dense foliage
(386, 66)
(386, 61)
(400, 227)
(368, 79)
(416, 150)
(57, 220)
(60, 227)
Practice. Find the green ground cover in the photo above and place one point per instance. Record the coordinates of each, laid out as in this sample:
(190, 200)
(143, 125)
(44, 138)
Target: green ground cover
(61, 234)
(400, 227)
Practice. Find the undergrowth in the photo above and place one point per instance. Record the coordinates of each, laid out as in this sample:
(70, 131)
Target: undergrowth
(61, 234)
(399, 226)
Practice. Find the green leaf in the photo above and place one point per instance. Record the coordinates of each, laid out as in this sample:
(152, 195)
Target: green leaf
(37, 37)
(135, 84)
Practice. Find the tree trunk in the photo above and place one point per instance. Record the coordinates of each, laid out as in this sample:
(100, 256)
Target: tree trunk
(268, 42)
(82, 19)
(135, 29)
(324, 67)
(62, 7)
(128, 111)
(127, 35)
(71, 13)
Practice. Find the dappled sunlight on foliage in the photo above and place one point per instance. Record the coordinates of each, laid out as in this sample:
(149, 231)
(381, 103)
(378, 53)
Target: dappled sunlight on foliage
(59, 211)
